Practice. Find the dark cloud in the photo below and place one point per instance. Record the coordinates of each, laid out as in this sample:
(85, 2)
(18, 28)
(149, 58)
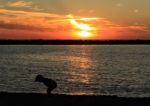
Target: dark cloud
(6, 25)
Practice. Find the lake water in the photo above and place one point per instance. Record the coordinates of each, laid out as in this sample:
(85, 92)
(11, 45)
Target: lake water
(122, 70)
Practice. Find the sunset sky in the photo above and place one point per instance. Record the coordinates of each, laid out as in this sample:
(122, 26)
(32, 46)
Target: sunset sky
(74, 19)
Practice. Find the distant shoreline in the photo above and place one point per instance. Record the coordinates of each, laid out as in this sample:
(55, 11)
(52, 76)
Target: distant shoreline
(74, 42)
(33, 99)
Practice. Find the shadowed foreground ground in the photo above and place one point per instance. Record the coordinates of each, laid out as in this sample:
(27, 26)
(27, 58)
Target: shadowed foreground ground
(33, 99)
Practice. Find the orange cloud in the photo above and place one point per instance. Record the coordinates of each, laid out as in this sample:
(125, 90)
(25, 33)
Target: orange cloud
(30, 20)
(20, 4)
(37, 22)
(112, 30)
(42, 25)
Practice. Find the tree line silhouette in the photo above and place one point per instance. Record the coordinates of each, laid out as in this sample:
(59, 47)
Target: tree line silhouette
(73, 42)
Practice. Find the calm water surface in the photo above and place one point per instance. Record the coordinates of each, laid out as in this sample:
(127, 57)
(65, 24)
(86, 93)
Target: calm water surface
(122, 70)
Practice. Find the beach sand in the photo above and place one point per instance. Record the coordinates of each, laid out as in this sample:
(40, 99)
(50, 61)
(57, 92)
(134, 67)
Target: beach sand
(37, 99)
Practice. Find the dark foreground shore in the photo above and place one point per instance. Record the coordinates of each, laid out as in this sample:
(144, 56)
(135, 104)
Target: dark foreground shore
(33, 99)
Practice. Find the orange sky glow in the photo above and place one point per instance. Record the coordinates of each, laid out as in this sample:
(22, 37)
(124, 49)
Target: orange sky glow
(28, 20)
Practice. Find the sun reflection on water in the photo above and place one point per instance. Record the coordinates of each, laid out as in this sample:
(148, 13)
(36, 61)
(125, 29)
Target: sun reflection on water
(81, 93)
(82, 65)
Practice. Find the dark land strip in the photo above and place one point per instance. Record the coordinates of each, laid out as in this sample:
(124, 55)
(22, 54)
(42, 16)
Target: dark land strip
(75, 42)
(37, 99)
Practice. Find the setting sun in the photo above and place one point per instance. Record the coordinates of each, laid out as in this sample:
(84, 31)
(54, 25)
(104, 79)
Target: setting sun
(75, 19)
(85, 34)
(82, 28)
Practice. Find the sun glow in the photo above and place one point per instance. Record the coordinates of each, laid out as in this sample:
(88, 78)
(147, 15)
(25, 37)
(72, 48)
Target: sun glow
(85, 34)
(83, 29)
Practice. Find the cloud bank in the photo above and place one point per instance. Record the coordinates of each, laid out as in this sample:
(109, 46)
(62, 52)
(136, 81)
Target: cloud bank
(42, 25)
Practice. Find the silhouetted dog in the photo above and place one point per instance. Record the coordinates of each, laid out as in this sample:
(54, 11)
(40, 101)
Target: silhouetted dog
(51, 84)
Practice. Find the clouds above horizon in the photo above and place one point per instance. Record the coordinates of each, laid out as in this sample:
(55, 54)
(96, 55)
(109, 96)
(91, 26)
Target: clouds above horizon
(41, 19)
(22, 19)
(35, 24)
(20, 4)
